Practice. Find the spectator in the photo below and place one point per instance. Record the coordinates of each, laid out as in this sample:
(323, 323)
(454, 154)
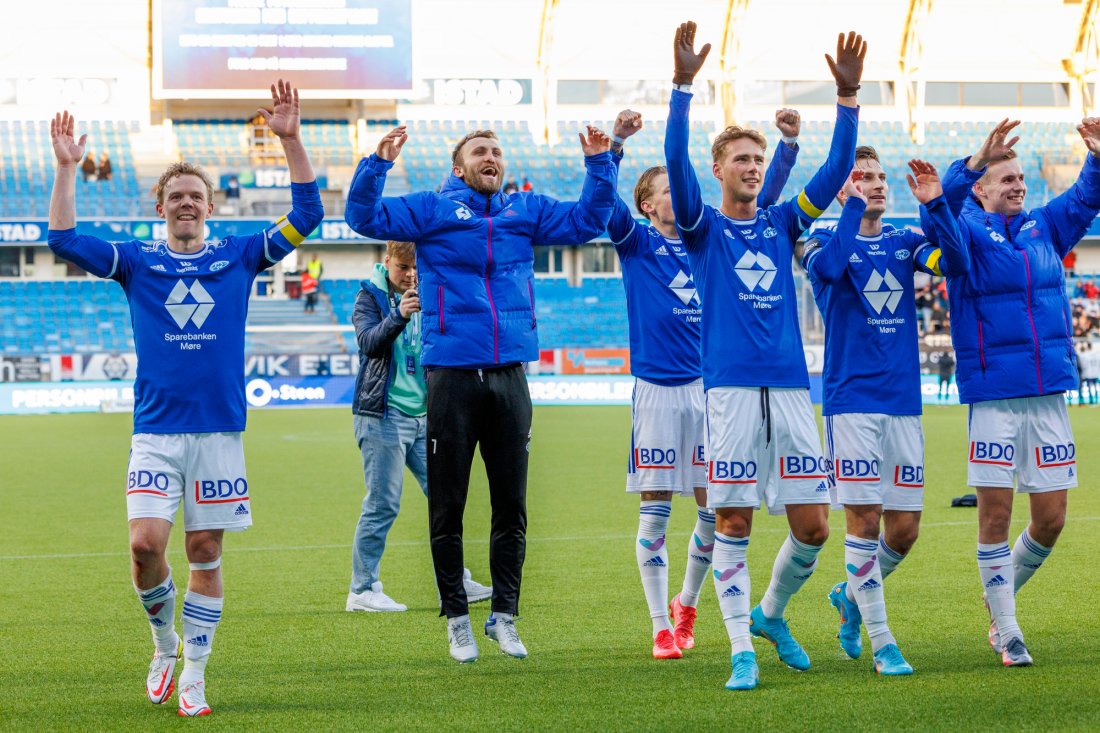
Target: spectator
(311, 282)
(925, 299)
(104, 167)
(1069, 263)
(511, 186)
(527, 185)
(87, 168)
(939, 319)
(233, 189)
(946, 365)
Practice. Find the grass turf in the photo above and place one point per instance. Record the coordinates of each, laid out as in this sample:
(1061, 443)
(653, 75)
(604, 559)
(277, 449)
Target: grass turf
(75, 645)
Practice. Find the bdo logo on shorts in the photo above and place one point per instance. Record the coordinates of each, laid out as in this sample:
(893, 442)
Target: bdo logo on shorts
(995, 454)
(909, 477)
(856, 469)
(732, 472)
(655, 457)
(699, 459)
(221, 491)
(147, 482)
(791, 467)
(1052, 456)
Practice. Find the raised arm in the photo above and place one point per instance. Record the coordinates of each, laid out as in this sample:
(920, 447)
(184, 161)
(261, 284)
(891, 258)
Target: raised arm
(577, 222)
(789, 123)
(284, 119)
(622, 224)
(403, 218)
(963, 174)
(825, 255)
(1070, 213)
(687, 198)
(945, 253)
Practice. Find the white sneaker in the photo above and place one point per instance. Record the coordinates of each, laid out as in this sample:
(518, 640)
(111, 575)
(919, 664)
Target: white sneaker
(373, 600)
(475, 591)
(159, 684)
(193, 700)
(461, 636)
(503, 631)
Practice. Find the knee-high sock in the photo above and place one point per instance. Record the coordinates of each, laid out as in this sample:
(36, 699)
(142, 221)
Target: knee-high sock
(865, 579)
(201, 615)
(793, 566)
(1027, 556)
(700, 554)
(998, 579)
(652, 554)
(888, 561)
(160, 608)
(731, 581)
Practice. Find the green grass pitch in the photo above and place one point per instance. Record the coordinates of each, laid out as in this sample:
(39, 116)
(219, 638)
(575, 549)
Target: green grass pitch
(287, 657)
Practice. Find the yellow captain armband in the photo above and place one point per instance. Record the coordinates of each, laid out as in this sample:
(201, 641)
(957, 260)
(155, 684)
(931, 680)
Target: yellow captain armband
(807, 206)
(284, 227)
(933, 262)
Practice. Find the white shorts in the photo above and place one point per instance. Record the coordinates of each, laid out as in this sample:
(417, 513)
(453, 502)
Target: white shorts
(666, 441)
(763, 445)
(205, 470)
(1025, 442)
(876, 459)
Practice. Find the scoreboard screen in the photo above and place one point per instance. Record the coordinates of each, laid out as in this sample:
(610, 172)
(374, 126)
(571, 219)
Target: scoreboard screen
(219, 49)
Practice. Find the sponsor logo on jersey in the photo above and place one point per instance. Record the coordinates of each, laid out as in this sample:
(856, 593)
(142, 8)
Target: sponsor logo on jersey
(662, 250)
(463, 213)
(748, 234)
(195, 311)
(699, 458)
(732, 472)
(995, 454)
(1051, 456)
(792, 467)
(854, 258)
(882, 291)
(655, 458)
(186, 267)
(159, 268)
(996, 237)
(902, 254)
(147, 482)
(910, 477)
(874, 246)
(891, 232)
(755, 269)
(871, 584)
(684, 287)
(770, 233)
(221, 491)
(856, 469)
(219, 265)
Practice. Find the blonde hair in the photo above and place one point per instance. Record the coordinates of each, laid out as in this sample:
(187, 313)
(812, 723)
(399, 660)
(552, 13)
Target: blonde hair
(401, 250)
(184, 168)
(644, 189)
(735, 132)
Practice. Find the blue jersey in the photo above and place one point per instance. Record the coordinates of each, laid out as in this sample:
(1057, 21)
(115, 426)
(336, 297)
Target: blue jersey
(744, 268)
(863, 286)
(188, 313)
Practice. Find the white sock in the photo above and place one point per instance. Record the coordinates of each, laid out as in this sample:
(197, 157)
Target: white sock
(888, 561)
(160, 608)
(652, 554)
(201, 615)
(865, 577)
(1027, 556)
(731, 581)
(793, 566)
(700, 554)
(998, 579)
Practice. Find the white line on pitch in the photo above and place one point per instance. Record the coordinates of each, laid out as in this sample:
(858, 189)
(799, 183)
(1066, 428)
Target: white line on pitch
(420, 543)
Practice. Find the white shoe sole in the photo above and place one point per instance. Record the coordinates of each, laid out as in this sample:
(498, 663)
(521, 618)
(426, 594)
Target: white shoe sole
(480, 596)
(351, 607)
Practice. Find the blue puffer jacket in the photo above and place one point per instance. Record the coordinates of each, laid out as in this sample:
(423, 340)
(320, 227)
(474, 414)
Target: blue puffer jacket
(1010, 319)
(474, 256)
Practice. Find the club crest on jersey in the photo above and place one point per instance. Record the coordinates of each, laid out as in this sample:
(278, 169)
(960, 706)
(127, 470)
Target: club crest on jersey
(463, 213)
(882, 291)
(770, 233)
(195, 311)
(1027, 225)
(756, 268)
(902, 254)
(219, 265)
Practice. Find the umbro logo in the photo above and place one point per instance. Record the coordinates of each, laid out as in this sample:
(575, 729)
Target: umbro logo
(755, 268)
(242, 509)
(855, 258)
(196, 311)
(996, 237)
(200, 640)
(732, 592)
(662, 250)
(879, 298)
(871, 584)
(654, 562)
(995, 581)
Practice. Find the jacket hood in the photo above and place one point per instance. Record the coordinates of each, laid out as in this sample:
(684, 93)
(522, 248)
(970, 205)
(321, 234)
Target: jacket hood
(972, 209)
(456, 189)
(378, 277)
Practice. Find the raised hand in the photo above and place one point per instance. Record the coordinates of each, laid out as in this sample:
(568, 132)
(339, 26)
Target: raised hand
(686, 63)
(389, 147)
(1089, 130)
(284, 118)
(788, 121)
(597, 141)
(995, 146)
(847, 68)
(924, 181)
(627, 123)
(852, 188)
(67, 150)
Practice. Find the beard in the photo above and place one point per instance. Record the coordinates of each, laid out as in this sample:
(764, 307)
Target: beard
(471, 174)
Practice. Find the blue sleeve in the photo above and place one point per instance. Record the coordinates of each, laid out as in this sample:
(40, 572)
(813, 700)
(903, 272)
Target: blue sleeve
(943, 252)
(97, 256)
(576, 222)
(1069, 214)
(825, 257)
(374, 332)
(957, 183)
(829, 178)
(779, 170)
(286, 234)
(403, 218)
(687, 198)
(621, 226)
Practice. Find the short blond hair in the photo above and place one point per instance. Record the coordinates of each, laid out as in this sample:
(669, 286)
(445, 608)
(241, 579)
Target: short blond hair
(456, 154)
(401, 250)
(184, 168)
(866, 152)
(1007, 155)
(735, 132)
(644, 189)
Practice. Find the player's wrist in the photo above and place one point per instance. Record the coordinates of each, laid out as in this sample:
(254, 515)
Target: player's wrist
(790, 140)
